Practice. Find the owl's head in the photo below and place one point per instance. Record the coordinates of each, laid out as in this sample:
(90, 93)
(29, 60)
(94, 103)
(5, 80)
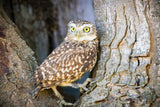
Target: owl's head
(80, 30)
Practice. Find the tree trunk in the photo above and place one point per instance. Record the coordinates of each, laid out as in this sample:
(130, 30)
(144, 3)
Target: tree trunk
(129, 64)
(17, 65)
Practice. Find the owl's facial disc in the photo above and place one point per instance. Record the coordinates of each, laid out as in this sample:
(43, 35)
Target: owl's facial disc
(85, 32)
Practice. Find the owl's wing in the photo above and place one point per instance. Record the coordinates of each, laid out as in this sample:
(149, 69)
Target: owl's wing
(65, 64)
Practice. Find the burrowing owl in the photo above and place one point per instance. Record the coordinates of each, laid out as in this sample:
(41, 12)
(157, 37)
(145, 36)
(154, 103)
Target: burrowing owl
(76, 55)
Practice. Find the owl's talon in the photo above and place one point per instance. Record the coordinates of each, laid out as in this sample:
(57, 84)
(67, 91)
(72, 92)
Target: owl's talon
(82, 87)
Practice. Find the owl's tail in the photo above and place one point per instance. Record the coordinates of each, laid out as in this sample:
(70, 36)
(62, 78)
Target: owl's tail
(35, 92)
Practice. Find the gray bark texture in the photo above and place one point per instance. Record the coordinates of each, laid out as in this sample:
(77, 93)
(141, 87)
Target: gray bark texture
(17, 65)
(129, 64)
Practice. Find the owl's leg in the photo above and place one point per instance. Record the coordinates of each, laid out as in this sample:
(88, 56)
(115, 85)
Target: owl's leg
(62, 101)
(56, 92)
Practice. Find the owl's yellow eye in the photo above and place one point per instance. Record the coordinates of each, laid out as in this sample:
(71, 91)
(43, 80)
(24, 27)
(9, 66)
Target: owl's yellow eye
(73, 29)
(86, 29)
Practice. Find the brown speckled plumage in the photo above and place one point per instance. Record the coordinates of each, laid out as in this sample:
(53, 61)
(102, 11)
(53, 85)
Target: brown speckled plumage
(67, 63)
(71, 59)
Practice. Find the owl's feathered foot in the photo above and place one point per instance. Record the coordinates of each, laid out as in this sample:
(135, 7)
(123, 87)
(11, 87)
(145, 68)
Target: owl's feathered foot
(83, 86)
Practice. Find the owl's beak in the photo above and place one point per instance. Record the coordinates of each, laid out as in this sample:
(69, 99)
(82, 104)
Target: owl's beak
(78, 35)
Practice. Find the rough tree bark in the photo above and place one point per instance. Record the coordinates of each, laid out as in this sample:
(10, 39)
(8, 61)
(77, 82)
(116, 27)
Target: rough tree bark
(17, 65)
(129, 64)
